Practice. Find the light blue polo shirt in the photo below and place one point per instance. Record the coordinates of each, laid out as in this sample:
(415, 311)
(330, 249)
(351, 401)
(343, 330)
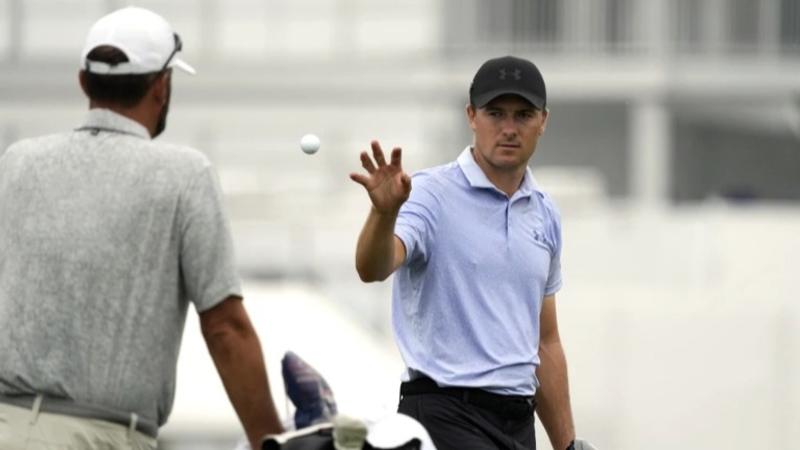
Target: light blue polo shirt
(466, 302)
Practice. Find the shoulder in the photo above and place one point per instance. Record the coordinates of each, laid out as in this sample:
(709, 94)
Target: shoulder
(182, 154)
(30, 146)
(432, 185)
(436, 178)
(182, 161)
(29, 153)
(549, 207)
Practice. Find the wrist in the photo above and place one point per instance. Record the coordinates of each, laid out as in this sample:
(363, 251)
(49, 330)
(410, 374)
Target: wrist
(390, 215)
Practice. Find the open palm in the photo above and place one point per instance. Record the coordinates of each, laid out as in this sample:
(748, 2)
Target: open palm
(387, 185)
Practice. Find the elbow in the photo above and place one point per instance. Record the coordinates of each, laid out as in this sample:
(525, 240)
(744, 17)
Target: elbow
(365, 277)
(369, 275)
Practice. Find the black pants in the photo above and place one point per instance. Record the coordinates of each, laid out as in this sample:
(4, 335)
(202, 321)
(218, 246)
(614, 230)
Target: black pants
(457, 420)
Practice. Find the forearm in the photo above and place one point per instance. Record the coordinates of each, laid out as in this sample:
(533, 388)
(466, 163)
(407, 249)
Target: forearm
(375, 250)
(239, 361)
(552, 397)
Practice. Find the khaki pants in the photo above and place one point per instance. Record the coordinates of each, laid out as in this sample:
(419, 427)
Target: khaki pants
(31, 429)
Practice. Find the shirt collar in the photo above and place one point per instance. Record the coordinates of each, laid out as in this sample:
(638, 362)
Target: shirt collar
(105, 119)
(478, 179)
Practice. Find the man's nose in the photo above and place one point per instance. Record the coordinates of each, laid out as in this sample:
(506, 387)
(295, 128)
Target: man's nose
(508, 128)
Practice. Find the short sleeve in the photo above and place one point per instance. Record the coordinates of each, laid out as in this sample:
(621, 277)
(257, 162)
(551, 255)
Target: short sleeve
(416, 222)
(554, 281)
(207, 257)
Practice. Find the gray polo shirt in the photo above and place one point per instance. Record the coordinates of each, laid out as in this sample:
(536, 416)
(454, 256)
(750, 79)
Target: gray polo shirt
(105, 238)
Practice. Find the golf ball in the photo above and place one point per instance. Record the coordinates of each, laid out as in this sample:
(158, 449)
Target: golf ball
(309, 144)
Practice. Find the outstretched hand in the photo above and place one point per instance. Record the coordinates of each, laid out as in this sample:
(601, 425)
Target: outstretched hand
(387, 185)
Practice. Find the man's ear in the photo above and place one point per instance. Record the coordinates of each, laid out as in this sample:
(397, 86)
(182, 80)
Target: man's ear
(471, 112)
(160, 88)
(546, 116)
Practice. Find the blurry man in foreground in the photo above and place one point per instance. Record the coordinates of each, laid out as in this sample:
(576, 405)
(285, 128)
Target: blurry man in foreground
(106, 236)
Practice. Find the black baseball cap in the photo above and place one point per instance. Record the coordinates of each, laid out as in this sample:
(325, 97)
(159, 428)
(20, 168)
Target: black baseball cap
(508, 75)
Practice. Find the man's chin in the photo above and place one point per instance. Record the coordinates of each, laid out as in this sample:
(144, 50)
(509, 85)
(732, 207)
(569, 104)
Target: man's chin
(508, 156)
(508, 153)
(506, 164)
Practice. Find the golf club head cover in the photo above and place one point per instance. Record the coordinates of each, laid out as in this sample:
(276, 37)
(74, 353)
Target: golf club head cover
(308, 391)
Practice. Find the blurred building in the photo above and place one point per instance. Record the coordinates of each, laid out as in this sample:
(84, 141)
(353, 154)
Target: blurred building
(672, 150)
(671, 97)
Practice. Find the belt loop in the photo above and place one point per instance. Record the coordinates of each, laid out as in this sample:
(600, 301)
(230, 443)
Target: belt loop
(132, 426)
(465, 396)
(37, 406)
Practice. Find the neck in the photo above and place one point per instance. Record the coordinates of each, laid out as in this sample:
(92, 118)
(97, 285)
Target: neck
(136, 113)
(506, 180)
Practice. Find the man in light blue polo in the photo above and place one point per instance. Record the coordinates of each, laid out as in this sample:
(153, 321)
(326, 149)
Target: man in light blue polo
(475, 248)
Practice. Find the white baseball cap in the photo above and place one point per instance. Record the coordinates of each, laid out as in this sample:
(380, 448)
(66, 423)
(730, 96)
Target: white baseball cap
(146, 38)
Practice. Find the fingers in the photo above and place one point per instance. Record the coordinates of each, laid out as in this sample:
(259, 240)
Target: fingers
(360, 179)
(380, 162)
(406, 181)
(366, 163)
(377, 153)
(397, 157)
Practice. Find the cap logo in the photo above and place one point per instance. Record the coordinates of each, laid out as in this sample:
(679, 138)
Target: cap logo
(516, 73)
